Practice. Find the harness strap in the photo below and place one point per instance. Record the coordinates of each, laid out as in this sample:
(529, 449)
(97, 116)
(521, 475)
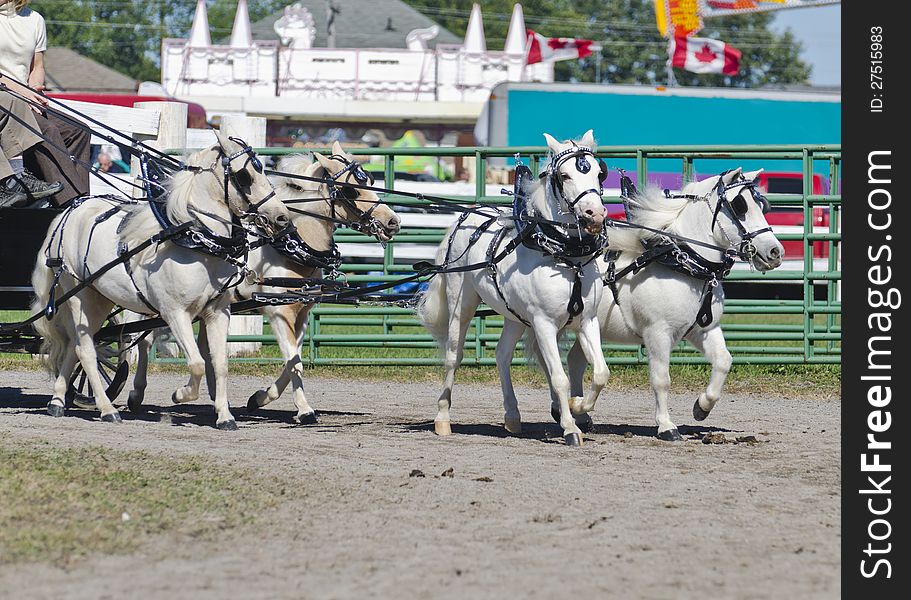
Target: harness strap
(122, 249)
(492, 271)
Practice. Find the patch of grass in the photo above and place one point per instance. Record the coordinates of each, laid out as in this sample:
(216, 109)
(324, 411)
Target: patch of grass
(62, 503)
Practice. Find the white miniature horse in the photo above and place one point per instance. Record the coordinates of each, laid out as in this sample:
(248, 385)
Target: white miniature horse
(527, 286)
(178, 283)
(319, 209)
(658, 305)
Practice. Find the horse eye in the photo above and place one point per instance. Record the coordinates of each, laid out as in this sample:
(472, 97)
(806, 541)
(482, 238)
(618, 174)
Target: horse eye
(565, 176)
(294, 186)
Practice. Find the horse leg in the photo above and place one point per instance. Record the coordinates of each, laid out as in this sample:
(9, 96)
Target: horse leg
(91, 316)
(549, 352)
(288, 329)
(711, 343)
(182, 330)
(217, 324)
(462, 305)
(57, 405)
(202, 340)
(659, 345)
(140, 379)
(506, 347)
(576, 364)
(589, 339)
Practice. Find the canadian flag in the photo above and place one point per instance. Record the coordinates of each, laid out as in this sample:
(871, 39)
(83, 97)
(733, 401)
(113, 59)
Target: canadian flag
(543, 49)
(702, 55)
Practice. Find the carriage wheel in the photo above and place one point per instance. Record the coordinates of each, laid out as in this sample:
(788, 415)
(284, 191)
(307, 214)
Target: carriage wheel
(114, 371)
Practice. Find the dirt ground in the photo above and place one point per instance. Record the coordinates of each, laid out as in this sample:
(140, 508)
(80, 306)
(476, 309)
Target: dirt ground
(625, 516)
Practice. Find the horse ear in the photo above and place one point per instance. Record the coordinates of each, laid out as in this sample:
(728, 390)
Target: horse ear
(752, 175)
(731, 175)
(588, 139)
(337, 148)
(223, 140)
(326, 163)
(552, 143)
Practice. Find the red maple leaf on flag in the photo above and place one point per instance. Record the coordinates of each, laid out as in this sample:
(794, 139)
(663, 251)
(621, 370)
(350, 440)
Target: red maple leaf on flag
(705, 54)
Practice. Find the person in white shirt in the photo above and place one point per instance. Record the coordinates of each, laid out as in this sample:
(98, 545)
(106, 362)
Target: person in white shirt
(23, 42)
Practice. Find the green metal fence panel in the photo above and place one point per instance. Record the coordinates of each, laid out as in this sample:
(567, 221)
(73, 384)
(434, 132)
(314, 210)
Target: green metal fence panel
(776, 331)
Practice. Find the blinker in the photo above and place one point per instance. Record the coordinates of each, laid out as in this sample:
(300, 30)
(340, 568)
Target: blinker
(582, 164)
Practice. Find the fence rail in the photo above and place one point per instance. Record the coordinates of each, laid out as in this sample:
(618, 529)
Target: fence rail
(805, 329)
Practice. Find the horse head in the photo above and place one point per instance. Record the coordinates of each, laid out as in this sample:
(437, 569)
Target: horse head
(244, 185)
(739, 217)
(360, 207)
(574, 179)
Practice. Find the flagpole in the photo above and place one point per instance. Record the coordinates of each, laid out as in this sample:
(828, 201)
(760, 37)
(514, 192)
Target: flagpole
(671, 80)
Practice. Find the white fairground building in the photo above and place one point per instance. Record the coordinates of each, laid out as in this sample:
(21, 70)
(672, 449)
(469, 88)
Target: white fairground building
(346, 63)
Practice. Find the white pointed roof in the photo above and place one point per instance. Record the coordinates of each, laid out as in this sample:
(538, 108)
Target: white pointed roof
(474, 35)
(515, 37)
(241, 34)
(199, 33)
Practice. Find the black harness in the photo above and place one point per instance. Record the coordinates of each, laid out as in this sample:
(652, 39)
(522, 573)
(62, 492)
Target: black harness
(682, 257)
(566, 243)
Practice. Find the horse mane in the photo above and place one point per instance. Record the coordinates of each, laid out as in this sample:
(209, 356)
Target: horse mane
(316, 232)
(650, 208)
(300, 164)
(140, 224)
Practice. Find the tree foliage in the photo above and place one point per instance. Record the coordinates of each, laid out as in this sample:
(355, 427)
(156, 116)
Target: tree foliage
(126, 35)
(633, 50)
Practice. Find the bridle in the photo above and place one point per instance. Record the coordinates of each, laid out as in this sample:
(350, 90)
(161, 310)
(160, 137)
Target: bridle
(341, 191)
(580, 154)
(233, 176)
(737, 210)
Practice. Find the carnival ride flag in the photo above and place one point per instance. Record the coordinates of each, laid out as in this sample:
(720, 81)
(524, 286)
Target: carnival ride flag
(544, 49)
(703, 55)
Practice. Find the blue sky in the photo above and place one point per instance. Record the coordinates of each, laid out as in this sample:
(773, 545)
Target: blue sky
(819, 29)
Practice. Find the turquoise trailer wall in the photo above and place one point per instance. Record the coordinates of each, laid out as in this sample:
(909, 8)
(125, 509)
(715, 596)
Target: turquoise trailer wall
(642, 120)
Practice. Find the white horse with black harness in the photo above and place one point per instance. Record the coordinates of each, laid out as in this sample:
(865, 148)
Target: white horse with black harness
(543, 278)
(665, 281)
(177, 256)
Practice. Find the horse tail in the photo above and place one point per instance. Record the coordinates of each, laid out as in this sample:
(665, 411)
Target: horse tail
(433, 307)
(54, 339)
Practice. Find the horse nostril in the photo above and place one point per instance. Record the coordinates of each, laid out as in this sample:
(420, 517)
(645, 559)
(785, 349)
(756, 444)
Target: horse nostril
(775, 252)
(282, 220)
(590, 212)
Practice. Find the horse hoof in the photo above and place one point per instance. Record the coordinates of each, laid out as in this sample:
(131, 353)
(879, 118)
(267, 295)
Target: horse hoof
(306, 419)
(113, 417)
(84, 402)
(698, 413)
(584, 422)
(55, 410)
(671, 435)
(513, 426)
(442, 428)
(174, 398)
(257, 401)
(573, 439)
(227, 425)
(134, 403)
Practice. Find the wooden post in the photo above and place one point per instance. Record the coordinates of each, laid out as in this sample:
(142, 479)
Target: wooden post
(172, 133)
(253, 131)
